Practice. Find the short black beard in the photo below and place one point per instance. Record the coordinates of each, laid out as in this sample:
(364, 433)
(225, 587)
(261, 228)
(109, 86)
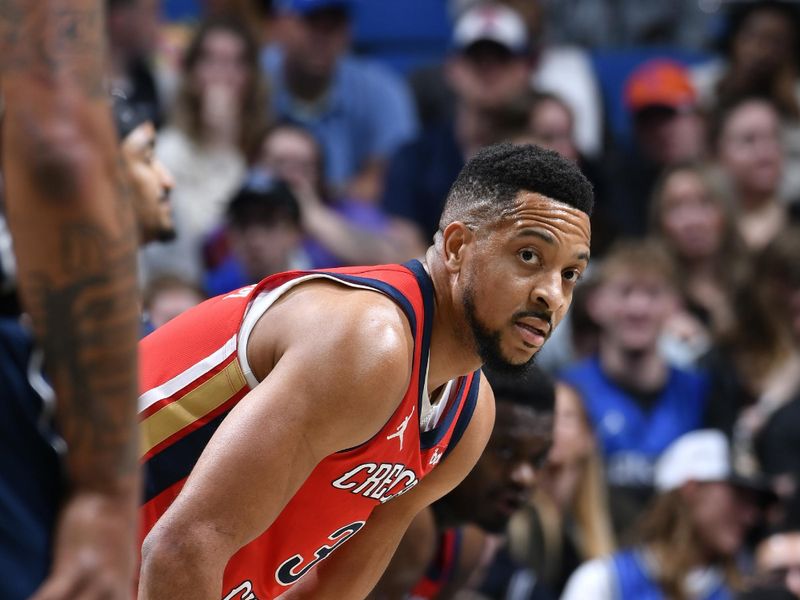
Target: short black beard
(487, 343)
(166, 235)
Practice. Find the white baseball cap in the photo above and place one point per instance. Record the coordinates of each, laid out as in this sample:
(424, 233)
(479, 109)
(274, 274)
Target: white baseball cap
(703, 455)
(491, 22)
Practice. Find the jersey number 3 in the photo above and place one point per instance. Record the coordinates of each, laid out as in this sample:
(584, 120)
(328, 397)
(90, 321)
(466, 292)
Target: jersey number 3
(288, 573)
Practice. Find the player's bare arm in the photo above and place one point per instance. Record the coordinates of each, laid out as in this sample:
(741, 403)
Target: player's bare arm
(353, 570)
(413, 556)
(334, 364)
(75, 244)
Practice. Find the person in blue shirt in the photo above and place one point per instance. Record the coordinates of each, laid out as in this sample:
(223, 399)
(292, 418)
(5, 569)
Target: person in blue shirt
(688, 539)
(360, 112)
(637, 402)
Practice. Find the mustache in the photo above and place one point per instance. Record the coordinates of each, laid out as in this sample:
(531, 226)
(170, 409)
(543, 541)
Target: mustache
(544, 315)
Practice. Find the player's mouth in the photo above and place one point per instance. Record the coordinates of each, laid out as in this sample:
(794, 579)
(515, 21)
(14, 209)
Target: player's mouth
(533, 332)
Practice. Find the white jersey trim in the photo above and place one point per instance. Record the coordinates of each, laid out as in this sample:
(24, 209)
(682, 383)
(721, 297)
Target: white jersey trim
(197, 370)
(261, 303)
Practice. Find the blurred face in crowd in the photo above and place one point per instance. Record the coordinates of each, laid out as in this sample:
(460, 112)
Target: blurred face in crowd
(573, 440)
(778, 560)
(764, 43)
(265, 249)
(506, 472)
(222, 63)
(292, 155)
(690, 217)
(668, 136)
(750, 148)
(314, 43)
(632, 307)
(488, 75)
(150, 184)
(133, 27)
(721, 514)
(551, 125)
(170, 302)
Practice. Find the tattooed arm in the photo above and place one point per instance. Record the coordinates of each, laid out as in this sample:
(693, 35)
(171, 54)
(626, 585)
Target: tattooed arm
(74, 237)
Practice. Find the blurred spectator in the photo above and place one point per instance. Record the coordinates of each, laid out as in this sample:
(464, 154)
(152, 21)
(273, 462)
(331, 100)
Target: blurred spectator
(467, 531)
(264, 231)
(219, 121)
(777, 567)
(692, 216)
(488, 71)
(338, 231)
(746, 140)
(688, 539)
(133, 27)
(551, 124)
(773, 421)
(360, 112)
(625, 23)
(760, 48)
(668, 130)
(637, 402)
(567, 521)
(547, 65)
(166, 297)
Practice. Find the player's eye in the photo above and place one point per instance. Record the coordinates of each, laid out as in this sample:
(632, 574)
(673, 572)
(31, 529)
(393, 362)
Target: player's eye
(572, 275)
(528, 256)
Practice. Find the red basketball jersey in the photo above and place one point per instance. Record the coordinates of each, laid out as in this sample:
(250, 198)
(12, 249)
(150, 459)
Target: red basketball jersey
(194, 370)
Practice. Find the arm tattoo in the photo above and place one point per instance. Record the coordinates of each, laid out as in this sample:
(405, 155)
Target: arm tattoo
(55, 42)
(86, 333)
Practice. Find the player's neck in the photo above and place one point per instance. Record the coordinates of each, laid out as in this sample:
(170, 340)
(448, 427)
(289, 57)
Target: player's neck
(452, 353)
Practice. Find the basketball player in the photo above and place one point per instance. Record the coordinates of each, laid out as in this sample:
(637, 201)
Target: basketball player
(293, 429)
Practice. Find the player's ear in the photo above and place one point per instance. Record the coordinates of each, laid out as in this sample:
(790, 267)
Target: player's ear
(455, 237)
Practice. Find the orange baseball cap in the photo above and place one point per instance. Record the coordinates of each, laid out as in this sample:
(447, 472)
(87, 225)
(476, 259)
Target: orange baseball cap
(659, 82)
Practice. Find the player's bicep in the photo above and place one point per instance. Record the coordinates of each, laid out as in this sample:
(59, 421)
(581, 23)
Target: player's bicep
(273, 438)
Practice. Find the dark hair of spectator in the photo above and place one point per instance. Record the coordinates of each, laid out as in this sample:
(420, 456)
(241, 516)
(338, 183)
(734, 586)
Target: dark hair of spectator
(766, 340)
(739, 12)
(267, 207)
(535, 389)
(488, 185)
(253, 114)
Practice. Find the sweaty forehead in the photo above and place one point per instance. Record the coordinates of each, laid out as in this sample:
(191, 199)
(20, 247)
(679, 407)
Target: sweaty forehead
(535, 210)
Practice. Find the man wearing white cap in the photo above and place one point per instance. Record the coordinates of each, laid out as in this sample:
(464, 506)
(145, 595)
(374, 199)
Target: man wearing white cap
(690, 535)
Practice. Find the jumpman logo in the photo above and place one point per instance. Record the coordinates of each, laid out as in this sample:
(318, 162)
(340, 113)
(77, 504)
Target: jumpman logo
(401, 429)
(436, 457)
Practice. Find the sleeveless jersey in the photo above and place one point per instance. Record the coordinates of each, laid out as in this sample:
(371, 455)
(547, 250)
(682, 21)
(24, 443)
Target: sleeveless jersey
(441, 570)
(632, 438)
(194, 370)
(633, 581)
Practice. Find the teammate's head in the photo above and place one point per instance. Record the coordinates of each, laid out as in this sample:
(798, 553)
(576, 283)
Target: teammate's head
(514, 236)
(149, 180)
(505, 475)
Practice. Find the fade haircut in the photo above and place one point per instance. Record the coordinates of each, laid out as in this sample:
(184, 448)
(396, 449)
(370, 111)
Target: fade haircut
(487, 187)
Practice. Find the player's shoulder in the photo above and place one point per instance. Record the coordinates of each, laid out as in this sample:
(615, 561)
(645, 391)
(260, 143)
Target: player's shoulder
(354, 328)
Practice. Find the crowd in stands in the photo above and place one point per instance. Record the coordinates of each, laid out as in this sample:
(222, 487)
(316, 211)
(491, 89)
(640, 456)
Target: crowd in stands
(674, 470)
